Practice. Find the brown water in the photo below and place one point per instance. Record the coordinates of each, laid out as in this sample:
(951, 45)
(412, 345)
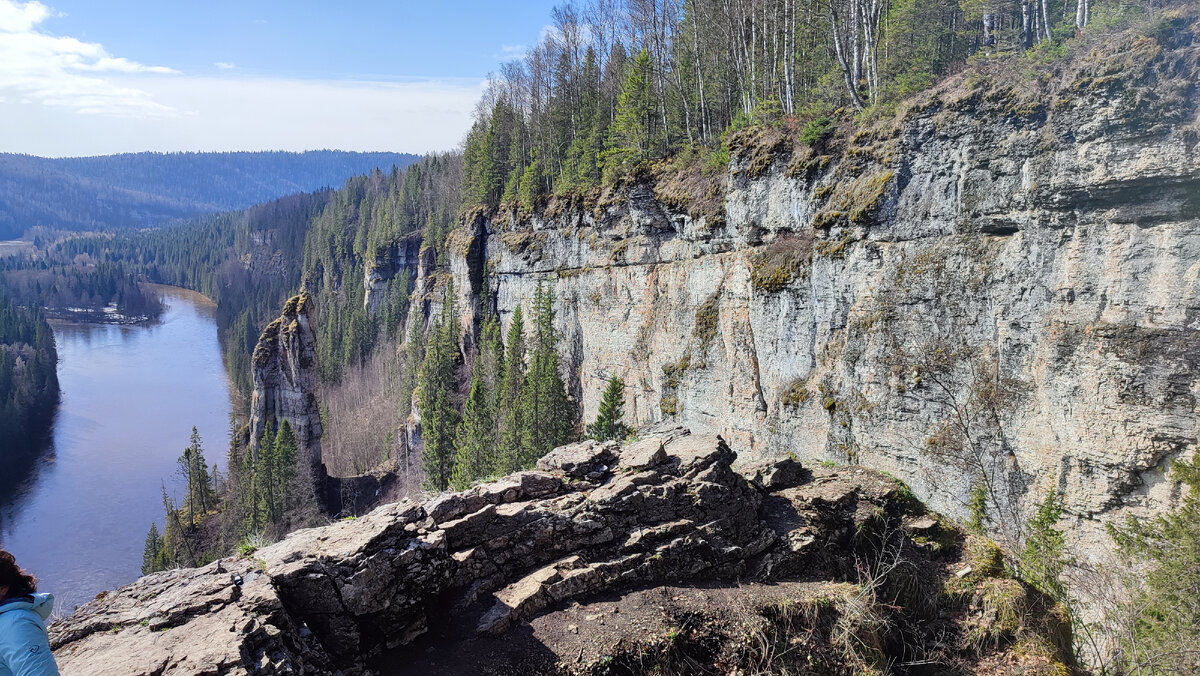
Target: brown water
(130, 395)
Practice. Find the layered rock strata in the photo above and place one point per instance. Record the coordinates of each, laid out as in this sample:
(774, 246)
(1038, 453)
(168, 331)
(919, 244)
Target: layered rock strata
(998, 286)
(593, 518)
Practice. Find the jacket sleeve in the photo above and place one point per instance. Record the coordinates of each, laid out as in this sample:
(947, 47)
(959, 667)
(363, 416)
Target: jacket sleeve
(24, 648)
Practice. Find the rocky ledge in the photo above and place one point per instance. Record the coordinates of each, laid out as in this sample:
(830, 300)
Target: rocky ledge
(417, 588)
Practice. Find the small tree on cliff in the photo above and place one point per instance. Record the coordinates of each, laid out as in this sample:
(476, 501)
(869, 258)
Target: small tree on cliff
(608, 423)
(1164, 637)
(438, 381)
(152, 553)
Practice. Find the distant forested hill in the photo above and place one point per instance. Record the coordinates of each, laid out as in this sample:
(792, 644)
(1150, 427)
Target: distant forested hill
(147, 189)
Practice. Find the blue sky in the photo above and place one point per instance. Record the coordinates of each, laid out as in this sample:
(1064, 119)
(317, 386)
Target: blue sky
(81, 77)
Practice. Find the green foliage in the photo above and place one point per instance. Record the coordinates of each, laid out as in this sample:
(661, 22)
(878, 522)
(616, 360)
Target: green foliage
(816, 130)
(631, 135)
(512, 418)
(608, 425)
(152, 554)
(1043, 559)
(28, 376)
(977, 509)
(476, 440)
(438, 381)
(549, 418)
(193, 469)
(1165, 635)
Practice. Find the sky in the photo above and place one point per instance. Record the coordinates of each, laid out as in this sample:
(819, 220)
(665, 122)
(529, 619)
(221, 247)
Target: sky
(82, 77)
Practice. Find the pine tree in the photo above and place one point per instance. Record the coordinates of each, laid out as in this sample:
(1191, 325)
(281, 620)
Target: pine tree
(283, 459)
(438, 381)
(511, 415)
(608, 423)
(193, 469)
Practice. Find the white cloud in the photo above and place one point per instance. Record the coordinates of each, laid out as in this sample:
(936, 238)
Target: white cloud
(235, 113)
(512, 51)
(64, 72)
(16, 18)
(224, 65)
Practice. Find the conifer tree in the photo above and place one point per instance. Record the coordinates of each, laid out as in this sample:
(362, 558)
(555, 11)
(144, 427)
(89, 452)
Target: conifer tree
(1043, 558)
(629, 139)
(548, 418)
(438, 381)
(1165, 636)
(476, 436)
(152, 553)
(511, 416)
(608, 423)
(193, 469)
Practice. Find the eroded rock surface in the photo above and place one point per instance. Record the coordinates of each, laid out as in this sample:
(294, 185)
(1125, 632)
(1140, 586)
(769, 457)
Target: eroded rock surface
(1000, 281)
(666, 509)
(284, 372)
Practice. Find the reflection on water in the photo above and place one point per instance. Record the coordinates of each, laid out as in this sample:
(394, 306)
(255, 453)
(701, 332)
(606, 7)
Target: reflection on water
(77, 515)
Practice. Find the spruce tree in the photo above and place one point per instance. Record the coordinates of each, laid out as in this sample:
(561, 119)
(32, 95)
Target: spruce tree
(1043, 559)
(152, 552)
(548, 418)
(629, 138)
(438, 381)
(1165, 638)
(511, 415)
(476, 436)
(608, 423)
(193, 469)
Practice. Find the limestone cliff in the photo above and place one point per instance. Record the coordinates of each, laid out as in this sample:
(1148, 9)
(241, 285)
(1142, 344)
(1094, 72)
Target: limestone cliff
(998, 285)
(285, 379)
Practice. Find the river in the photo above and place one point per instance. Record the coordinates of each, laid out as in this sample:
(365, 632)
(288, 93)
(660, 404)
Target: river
(130, 396)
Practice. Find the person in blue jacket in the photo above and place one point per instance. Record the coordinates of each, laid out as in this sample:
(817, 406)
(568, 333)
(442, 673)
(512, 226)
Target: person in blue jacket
(24, 646)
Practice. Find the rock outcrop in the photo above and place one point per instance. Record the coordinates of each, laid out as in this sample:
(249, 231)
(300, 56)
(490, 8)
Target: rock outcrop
(997, 286)
(593, 519)
(284, 372)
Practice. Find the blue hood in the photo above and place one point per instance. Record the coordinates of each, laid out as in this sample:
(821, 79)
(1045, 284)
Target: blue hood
(41, 604)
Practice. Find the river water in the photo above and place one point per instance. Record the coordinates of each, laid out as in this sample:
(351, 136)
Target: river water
(130, 396)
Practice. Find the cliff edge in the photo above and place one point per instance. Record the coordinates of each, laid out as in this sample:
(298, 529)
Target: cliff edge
(503, 576)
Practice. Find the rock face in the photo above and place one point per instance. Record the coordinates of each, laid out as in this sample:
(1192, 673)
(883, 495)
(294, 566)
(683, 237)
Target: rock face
(284, 371)
(387, 267)
(999, 286)
(597, 518)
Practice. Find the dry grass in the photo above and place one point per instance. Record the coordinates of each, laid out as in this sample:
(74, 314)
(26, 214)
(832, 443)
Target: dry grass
(776, 265)
(690, 182)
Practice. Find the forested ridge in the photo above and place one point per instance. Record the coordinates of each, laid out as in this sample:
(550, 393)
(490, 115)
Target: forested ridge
(614, 85)
(28, 377)
(137, 190)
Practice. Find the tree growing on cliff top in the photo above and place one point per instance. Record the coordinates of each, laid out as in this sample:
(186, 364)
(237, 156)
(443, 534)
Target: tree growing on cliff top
(438, 381)
(608, 424)
(630, 137)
